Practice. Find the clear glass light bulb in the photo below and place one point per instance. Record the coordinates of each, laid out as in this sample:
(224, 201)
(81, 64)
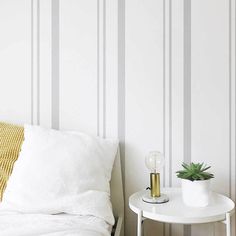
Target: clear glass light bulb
(154, 161)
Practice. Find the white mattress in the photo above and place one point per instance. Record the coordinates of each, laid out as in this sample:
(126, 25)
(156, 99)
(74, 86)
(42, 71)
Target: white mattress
(14, 224)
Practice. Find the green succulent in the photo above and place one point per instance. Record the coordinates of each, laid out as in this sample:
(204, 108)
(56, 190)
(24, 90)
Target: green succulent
(194, 171)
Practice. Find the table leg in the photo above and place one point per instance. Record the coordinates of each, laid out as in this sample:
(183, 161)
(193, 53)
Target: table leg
(139, 225)
(228, 230)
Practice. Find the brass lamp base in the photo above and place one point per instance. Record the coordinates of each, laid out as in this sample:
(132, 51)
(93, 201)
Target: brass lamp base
(155, 195)
(155, 200)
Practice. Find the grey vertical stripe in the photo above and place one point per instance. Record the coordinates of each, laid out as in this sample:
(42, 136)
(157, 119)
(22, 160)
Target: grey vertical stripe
(187, 89)
(103, 51)
(187, 80)
(104, 68)
(170, 99)
(32, 61)
(121, 82)
(35, 62)
(164, 86)
(235, 91)
(55, 64)
(121, 87)
(170, 86)
(230, 102)
(170, 91)
(98, 69)
(164, 94)
(38, 62)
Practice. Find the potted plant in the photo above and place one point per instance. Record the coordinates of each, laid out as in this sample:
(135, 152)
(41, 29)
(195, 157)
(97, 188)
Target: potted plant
(195, 184)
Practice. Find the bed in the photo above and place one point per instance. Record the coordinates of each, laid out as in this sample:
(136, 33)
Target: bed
(17, 223)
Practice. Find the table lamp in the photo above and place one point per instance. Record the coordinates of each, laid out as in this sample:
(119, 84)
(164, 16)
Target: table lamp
(154, 162)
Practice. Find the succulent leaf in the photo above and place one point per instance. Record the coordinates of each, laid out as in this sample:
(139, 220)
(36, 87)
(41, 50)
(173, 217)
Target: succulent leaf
(194, 171)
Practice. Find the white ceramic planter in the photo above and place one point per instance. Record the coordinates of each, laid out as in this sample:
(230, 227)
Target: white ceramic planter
(196, 193)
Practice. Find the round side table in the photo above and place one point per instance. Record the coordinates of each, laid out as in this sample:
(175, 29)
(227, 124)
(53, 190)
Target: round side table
(175, 211)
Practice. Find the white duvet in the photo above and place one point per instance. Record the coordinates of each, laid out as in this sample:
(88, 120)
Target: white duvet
(16, 224)
(59, 186)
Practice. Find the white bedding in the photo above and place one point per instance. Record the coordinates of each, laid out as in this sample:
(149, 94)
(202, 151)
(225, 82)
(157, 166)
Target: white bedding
(16, 224)
(60, 185)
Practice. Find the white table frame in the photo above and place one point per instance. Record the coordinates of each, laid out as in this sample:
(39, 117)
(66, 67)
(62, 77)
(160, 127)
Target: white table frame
(141, 218)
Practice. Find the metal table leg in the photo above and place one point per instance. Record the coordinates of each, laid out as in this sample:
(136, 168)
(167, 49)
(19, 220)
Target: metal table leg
(227, 222)
(139, 225)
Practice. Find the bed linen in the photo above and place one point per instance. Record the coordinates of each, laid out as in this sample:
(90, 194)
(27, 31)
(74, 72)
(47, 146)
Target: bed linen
(61, 172)
(60, 185)
(17, 224)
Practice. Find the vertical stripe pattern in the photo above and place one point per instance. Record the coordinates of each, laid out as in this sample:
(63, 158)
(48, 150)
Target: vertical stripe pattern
(121, 82)
(170, 100)
(187, 89)
(35, 62)
(32, 62)
(98, 67)
(55, 64)
(38, 62)
(101, 68)
(230, 95)
(170, 92)
(187, 81)
(104, 68)
(167, 98)
(164, 86)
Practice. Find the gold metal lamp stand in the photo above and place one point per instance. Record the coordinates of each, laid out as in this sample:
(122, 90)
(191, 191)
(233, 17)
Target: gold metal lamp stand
(155, 184)
(155, 196)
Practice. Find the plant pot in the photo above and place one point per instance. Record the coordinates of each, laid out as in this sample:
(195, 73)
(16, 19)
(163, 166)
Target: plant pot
(196, 193)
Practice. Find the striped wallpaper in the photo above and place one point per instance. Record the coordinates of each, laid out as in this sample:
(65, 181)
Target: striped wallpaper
(156, 74)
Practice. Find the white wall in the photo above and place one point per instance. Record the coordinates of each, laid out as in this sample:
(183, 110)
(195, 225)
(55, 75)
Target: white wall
(62, 65)
(180, 94)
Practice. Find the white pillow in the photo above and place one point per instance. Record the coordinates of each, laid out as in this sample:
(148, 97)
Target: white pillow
(61, 172)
